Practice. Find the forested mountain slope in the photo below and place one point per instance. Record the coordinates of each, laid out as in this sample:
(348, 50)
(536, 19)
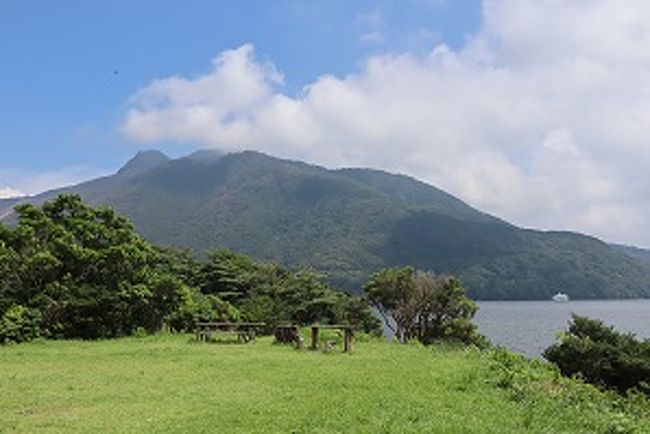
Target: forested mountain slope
(350, 222)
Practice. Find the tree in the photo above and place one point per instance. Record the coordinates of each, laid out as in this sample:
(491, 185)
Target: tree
(389, 291)
(423, 306)
(274, 294)
(85, 271)
(233, 276)
(602, 356)
(197, 306)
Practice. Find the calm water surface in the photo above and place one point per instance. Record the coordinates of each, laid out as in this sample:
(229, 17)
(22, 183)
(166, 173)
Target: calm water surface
(529, 327)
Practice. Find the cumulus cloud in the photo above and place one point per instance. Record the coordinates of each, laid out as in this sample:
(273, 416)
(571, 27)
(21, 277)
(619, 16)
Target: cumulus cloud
(219, 106)
(541, 118)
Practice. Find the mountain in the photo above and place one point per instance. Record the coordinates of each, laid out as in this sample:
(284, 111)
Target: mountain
(6, 207)
(143, 162)
(642, 255)
(350, 222)
(98, 190)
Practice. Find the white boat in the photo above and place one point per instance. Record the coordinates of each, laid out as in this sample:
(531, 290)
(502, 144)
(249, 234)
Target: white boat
(560, 297)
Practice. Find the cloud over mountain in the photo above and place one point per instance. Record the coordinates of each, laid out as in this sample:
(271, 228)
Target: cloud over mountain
(541, 117)
(8, 192)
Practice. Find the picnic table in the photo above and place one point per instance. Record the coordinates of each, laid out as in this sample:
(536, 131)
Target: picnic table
(347, 335)
(245, 331)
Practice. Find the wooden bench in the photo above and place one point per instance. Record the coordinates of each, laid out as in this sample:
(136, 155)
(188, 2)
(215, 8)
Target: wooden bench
(347, 335)
(245, 331)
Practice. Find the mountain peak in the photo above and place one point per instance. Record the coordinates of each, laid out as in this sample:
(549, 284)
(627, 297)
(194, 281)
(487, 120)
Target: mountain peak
(206, 155)
(142, 162)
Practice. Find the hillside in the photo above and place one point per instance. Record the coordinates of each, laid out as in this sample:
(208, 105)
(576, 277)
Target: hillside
(634, 252)
(350, 222)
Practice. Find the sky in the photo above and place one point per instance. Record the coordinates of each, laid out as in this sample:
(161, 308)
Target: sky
(536, 111)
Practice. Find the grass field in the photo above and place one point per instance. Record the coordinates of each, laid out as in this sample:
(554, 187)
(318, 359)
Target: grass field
(169, 383)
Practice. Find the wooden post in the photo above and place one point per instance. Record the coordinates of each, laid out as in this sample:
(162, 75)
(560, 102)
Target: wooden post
(297, 337)
(314, 338)
(347, 340)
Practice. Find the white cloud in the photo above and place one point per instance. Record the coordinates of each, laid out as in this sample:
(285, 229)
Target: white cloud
(8, 192)
(30, 183)
(541, 118)
(219, 106)
(372, 38)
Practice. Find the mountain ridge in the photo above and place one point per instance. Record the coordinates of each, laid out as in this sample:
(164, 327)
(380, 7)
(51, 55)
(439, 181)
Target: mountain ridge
(349, 222)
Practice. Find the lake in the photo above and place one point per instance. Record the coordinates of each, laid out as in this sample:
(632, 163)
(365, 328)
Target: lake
(529, 327)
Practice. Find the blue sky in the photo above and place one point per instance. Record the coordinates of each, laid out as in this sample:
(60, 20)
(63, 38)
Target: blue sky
(62, 100)
(536, 111)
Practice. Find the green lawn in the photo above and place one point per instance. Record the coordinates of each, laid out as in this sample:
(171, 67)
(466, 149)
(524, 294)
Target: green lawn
(173, 384)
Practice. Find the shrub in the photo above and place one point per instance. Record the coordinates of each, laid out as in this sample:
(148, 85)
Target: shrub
(539, 388)
(602, 356)
(19, 324)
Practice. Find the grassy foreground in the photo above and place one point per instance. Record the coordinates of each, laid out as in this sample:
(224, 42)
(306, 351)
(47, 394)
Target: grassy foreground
(170, 383)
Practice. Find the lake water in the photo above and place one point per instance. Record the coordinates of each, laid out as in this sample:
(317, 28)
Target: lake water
(529, 327)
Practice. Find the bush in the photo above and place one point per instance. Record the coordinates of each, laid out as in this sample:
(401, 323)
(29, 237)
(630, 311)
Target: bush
(543, 392)
(19, 324)
(602, 356)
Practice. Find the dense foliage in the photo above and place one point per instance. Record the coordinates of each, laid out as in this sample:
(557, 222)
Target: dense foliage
(423, 306)
(84, 272)
(69, 270)
(274, 294)
(349, 223)
(602, 356)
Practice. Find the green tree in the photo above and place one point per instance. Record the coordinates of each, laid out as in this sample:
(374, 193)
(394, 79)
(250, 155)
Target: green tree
(85, 270)
(197, 306)
(423, 306)
(274, 294)
(389, 291)
(233, 276)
